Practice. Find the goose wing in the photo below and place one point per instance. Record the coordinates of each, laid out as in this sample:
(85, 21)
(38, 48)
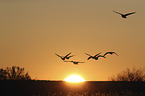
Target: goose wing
(87, 54)
(67, 61)
(81, 62)
(117, 12)
(101, 56)
(130, 13)
(89, 57)
(58, 55)
(110, 53)
(67, 55)
(106, 53)
(97, 54)
(70, 56)
(115, 53)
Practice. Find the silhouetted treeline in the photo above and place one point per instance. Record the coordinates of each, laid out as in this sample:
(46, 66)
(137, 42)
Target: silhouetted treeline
(14, 73)
(130, 75)
(61, 88)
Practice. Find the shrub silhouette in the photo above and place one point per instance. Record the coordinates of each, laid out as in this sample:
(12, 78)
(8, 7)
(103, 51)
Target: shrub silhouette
(130, 75)
(14, 73)
(3, 74)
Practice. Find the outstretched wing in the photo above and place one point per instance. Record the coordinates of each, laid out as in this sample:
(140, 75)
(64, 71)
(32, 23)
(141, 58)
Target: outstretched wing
(87, 54)
(67, 55)
(97, 54)
(117, 12)
(109, 53)
(81, 62)
(101, 56)
(71, 56)
(129, 13)
(67, 61)
(115, 53)
(89, 57)
(58, 55)
(106, 53)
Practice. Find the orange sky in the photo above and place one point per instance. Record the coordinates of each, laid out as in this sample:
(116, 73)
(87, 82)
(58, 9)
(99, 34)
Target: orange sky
(32, 31)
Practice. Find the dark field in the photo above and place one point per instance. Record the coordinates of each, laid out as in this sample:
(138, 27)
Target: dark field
(60, 88)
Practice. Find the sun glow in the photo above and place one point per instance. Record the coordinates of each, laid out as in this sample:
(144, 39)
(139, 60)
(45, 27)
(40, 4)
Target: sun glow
(74, 78)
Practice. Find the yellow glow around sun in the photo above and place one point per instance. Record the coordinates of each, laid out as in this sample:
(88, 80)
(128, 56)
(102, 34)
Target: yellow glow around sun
(74, 78)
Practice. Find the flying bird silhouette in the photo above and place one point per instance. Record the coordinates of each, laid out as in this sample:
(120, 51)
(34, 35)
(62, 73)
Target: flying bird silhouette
(97, 57)
(74, 62)
(124, 15)
(65, 57)
(93, 57)
(110, 53)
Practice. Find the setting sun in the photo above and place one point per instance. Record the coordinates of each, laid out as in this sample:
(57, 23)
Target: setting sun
(74, 78)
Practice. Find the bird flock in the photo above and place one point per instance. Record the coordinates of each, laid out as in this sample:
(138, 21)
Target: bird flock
(95, 57)
(98, 55)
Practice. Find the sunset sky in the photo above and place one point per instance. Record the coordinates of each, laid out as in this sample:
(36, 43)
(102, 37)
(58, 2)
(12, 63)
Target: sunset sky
(32, 31)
